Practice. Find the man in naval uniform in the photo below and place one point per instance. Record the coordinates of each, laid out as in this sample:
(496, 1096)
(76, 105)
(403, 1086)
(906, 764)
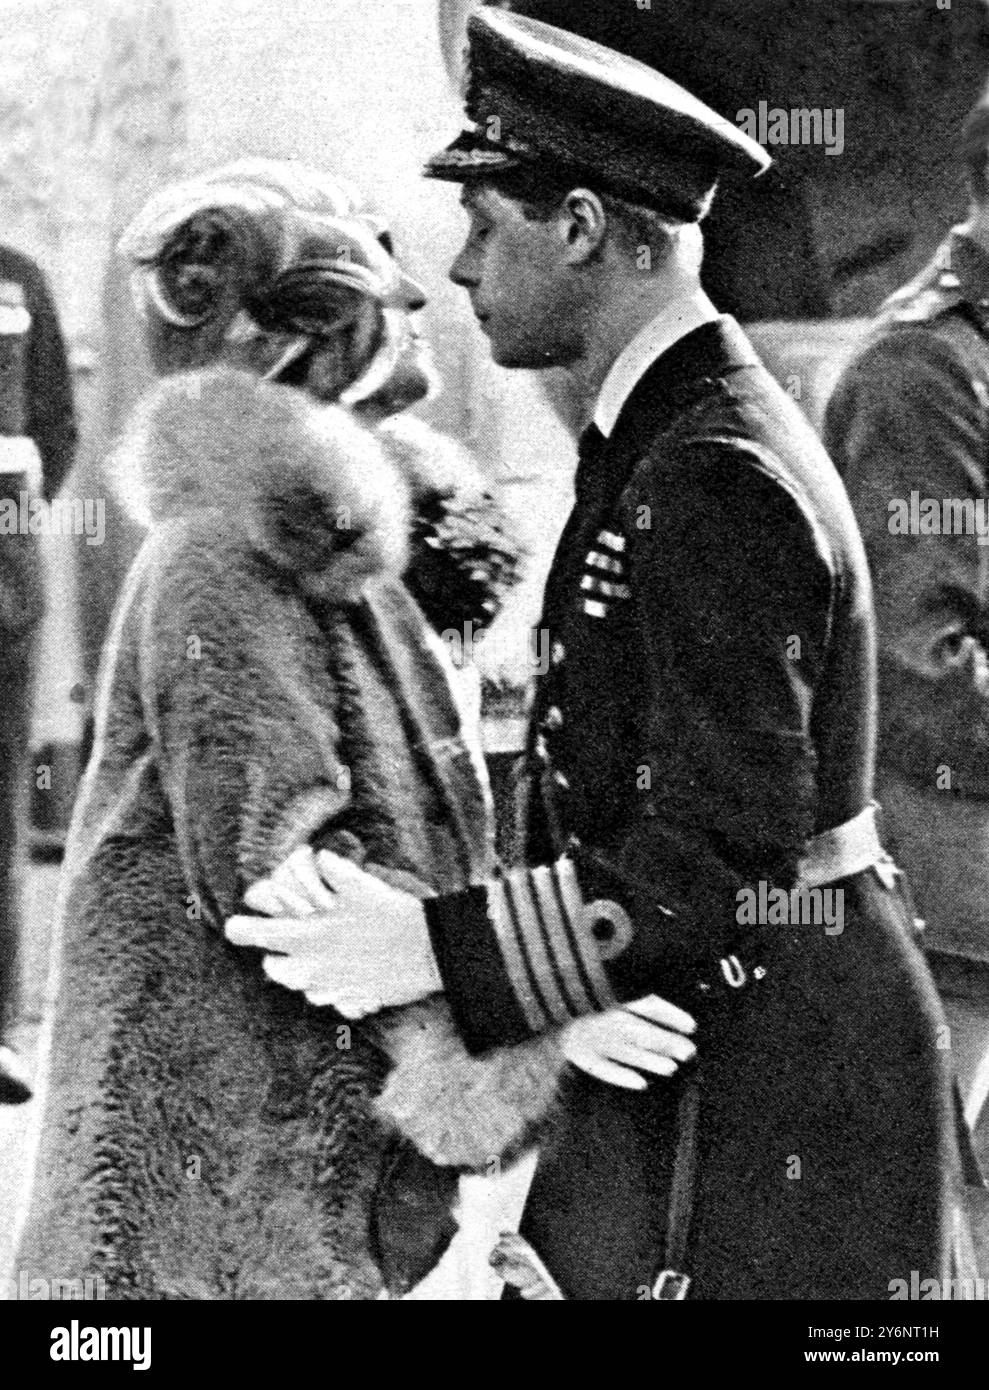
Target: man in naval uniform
(908, 428)
(37, 442)
(755, 1109)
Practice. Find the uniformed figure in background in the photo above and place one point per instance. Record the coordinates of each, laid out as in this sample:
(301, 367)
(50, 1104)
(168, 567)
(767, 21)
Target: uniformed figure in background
(37, 442)
(756, 1107)
(908, 427)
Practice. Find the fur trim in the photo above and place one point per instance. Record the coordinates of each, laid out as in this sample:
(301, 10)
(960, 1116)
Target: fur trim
(432, 464)
(460, 1110)
(310, 488)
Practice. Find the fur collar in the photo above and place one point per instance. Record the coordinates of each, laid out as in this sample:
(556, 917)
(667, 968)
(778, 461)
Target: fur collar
(303, 484)
(323, 498)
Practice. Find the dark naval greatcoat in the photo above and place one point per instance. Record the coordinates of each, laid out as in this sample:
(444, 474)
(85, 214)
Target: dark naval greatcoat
(908, 428)
(710, 705)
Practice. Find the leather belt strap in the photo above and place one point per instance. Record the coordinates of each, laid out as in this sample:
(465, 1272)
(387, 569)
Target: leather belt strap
(846, 850)
(673, 1284)
(834, 854)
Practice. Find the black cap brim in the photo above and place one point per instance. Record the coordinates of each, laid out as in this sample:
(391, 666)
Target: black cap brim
(471, 155)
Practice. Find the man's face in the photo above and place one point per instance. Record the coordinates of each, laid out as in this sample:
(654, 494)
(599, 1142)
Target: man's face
(520, 285)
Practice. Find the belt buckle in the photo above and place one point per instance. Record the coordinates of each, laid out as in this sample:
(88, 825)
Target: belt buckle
(671, 1287)
(896, 881)
(734, 972)
(889, 873)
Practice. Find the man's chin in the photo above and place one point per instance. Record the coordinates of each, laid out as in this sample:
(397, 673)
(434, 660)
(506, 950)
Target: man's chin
(513, 360)
(520, 356)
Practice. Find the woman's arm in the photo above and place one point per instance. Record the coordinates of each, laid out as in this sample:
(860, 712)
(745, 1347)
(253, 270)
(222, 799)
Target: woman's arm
(241, 709)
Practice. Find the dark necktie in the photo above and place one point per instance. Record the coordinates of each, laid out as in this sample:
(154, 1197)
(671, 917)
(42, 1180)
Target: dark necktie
(590, 457)
(591, 451)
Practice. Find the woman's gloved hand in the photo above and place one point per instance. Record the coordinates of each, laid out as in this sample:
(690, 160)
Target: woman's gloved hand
(340, 934)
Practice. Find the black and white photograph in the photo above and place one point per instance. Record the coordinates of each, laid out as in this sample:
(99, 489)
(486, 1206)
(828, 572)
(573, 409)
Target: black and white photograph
(494, 663)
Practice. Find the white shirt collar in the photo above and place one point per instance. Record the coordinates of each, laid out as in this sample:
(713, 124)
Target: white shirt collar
(671, 324)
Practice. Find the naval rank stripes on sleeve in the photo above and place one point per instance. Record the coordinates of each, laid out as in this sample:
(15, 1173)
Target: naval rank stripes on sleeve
(520, 956)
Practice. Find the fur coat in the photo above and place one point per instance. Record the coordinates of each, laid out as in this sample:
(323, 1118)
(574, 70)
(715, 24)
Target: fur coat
(268, 681)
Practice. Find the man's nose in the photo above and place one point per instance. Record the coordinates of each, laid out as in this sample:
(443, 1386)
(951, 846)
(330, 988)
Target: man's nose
(461, 272)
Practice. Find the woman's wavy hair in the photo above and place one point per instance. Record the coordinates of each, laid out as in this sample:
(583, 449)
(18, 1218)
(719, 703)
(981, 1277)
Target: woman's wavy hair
(262, 264)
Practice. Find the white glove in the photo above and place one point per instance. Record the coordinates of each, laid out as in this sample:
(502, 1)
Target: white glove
(340, 935)
(649, 1035)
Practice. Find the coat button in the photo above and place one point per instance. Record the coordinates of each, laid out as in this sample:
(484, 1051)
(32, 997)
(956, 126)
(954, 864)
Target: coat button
(561, 781)
(553, 719)
(558, 653)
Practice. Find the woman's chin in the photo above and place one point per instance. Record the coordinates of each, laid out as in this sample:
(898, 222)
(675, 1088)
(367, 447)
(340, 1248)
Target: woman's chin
(406, 387)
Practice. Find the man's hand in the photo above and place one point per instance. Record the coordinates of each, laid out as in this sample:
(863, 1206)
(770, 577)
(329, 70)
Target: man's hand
(339, 935)
(649, 1035)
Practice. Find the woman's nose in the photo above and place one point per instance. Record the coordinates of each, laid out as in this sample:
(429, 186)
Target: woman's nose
(412, 294)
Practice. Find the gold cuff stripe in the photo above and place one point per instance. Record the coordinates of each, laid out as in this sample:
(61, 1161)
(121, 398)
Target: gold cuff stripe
(554, 926)
(550, 954)
(519, 976)
(585, 948)
(534, 945)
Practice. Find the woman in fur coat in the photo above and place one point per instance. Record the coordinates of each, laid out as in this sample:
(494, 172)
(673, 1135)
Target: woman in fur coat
(274, 677)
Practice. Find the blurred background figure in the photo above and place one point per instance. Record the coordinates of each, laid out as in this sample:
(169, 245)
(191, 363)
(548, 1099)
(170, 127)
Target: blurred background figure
(37, 440)
(908, 426)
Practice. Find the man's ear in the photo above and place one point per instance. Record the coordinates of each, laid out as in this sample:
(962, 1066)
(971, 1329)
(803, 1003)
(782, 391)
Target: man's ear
(585, 223)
